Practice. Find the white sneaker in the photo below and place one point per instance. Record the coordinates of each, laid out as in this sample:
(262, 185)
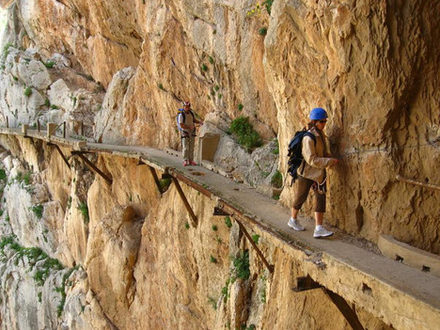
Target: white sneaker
(322, 232)
(295, 225)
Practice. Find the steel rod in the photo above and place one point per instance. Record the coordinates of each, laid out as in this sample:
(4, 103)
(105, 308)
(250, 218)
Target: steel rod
(185, 201)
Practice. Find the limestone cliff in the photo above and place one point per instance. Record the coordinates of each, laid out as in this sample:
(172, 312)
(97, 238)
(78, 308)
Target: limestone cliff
(121, 255)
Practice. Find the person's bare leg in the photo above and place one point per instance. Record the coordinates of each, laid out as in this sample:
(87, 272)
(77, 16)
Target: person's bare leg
(319, 216)
(294, 213)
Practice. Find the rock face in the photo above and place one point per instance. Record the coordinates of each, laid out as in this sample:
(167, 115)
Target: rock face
(122, 68)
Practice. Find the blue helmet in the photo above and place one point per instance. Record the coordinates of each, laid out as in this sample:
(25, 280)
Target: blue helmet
(318, 114)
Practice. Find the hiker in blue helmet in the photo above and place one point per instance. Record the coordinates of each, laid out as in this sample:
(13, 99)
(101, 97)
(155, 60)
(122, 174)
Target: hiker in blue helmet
(312, 173)
(186, 122)
(318, 114)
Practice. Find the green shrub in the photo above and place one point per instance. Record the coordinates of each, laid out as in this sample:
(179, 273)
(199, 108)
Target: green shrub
(49, 64)
(211, 60)
(38, 210)
(240, 107)
(27, 178)
(255, 238)
(6, 49)
(55, 107)
(27, 91)
(213, 260)
(82, 207)
(268, 4)
(262, 31)
(276, 151)
(2, 174)
(214, 228)
(245, 133)
(187, 225)
(277, 179)
(164, 184)
(241, 265)
(204, 67)
(228, 222)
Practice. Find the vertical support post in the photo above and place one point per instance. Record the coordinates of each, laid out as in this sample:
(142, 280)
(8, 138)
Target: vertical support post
(260, 254)
(64, 129)
(38, 126)
(82, 128)
(185, 201)
(7, 122)
(24, 129)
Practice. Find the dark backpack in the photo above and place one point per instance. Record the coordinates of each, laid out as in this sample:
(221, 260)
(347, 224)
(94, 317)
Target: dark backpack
(295, 153)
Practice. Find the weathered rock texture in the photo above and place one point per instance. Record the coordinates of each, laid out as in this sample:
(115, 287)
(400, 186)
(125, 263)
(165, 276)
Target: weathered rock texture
(372, 64)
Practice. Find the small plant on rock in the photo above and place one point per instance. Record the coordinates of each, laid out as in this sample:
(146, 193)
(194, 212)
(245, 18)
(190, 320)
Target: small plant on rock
(245, 133)
(262, 31)
(27, 91)
(241, 265)
(277, 179)
(255, 238)
(82, 207)
(49, 64)
(38, 210)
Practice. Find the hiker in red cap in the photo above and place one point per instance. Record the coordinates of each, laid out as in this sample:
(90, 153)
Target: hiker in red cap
(186, 122)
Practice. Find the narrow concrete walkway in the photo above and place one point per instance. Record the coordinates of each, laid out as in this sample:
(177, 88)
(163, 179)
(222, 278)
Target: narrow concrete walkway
(398, 294)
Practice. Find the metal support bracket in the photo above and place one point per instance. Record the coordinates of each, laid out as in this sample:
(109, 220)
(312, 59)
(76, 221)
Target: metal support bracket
(60, 152)
(156, 179)
(259, 253)
(348, 312)
(185, 201)
(219, 211)
(93, 166)
(307, 283)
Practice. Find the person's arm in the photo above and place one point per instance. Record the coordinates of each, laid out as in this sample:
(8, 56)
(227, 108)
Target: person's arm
(310, 156)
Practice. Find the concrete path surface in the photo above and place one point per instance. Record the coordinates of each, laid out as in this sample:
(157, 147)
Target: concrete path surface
(401, 296)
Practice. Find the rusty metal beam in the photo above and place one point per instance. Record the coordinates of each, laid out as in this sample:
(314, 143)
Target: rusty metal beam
(348, 312)
(185, 201)
(60, 152)
(156, 179)
(153, 173)
(190, 183)
(219, 211)
(417, 183)
(260, 254)
(92, 166)
(305, 283)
